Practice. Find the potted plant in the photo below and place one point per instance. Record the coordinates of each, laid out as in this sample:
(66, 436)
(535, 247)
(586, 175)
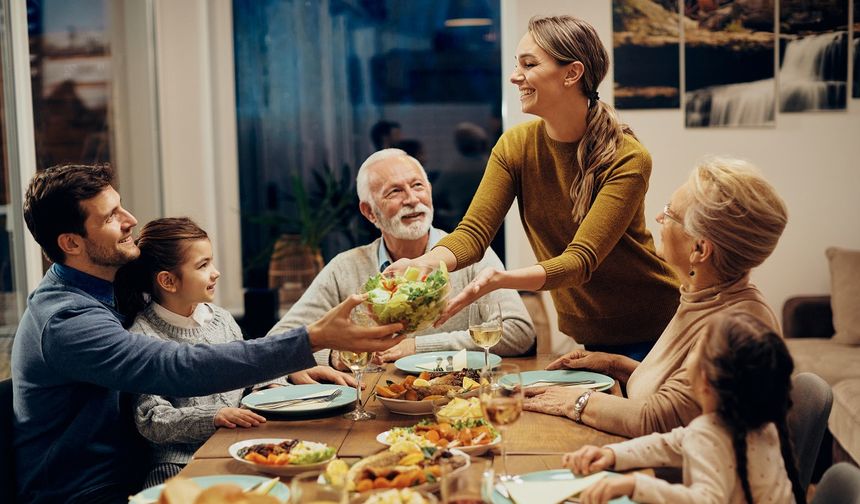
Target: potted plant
(318, 207)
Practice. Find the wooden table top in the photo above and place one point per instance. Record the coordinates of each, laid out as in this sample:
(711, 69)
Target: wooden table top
(535, 442)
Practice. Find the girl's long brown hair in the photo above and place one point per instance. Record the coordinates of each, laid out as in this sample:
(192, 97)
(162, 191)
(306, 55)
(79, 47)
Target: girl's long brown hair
(163, 244)
(749, 368)
(568, 39)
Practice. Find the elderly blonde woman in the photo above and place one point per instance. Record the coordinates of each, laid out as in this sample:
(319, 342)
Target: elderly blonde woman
(723, 222)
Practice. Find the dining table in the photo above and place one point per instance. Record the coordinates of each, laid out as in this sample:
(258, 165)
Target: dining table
(535, 442)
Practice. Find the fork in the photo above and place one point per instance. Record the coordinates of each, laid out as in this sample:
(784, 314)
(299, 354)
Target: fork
(289, 402)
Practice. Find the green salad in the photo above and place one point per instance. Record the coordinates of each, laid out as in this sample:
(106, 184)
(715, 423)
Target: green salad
(310, 453)
(413, 299)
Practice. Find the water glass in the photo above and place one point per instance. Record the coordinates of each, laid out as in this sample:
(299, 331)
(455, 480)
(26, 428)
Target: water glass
(468, 485)
(310, 488)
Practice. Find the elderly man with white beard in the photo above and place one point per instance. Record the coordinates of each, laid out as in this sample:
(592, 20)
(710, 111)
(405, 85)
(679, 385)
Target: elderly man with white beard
(395, 195)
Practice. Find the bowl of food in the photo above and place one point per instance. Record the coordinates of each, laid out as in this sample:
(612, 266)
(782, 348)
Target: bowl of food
(417, 395)
(403, 465)
(282, 457)
(472, 436)
(415, 298)
(459, 409)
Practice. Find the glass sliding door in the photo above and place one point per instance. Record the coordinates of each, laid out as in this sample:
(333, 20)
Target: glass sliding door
(13, 275)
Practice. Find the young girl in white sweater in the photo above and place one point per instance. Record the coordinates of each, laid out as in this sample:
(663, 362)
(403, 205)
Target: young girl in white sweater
(168, 293)
(737, 451)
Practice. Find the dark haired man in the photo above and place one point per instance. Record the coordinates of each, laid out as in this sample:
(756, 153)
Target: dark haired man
(72, 359)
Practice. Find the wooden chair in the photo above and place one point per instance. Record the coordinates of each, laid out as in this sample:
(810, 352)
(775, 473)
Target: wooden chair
(540, 318)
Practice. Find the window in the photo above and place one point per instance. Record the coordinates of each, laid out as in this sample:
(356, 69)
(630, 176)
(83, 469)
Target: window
(312, 80)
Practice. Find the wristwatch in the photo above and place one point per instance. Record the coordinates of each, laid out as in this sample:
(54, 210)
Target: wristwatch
(579, 405)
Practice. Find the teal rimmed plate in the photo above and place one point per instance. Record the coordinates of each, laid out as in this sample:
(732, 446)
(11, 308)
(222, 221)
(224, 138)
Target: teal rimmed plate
(279, 491)
(563, 377)
(411, 363)
(346, 397)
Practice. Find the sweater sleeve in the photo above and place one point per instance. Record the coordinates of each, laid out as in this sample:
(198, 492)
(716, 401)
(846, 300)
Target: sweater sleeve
(89, 345)
(236, 335)
(487, 211)
(709, 471)
(321, 296)
(653, 450)
(161, 422)
(618, 199)
(518, 333)
(672, 405)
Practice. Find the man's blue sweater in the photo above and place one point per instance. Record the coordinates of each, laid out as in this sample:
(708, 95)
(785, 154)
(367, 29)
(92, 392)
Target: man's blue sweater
(72, 359)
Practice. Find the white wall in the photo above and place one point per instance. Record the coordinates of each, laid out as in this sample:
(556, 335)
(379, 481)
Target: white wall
(197, 120)
(813, 159)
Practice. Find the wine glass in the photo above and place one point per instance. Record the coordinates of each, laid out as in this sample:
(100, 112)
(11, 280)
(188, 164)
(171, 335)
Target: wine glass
(357, 361)
(467, 485)
(502, 402)
(309, 488)
(485, 326)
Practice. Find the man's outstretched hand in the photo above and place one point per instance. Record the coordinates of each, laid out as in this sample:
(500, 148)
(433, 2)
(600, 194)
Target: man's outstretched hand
(335, 330)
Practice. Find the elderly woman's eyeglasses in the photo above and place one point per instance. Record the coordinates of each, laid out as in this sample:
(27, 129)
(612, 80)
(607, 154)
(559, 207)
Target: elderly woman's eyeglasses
(669, 214)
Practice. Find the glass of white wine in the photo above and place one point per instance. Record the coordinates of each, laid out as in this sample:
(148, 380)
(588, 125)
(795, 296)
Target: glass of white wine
(357, 362)
(485, 326)
(502, 402)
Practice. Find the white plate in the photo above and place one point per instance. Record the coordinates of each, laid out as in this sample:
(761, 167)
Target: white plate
(474, 360)
(280, 490)
(405, 407)
(278, 470)
(473, 451)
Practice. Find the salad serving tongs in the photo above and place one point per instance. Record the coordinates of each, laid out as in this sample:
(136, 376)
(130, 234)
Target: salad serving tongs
(328, 396)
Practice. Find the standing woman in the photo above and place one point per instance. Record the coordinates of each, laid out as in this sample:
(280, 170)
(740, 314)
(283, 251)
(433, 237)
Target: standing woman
(579, 177)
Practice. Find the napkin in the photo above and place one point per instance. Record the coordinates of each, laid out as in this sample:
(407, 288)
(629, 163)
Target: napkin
(460, 362)
(549, 492)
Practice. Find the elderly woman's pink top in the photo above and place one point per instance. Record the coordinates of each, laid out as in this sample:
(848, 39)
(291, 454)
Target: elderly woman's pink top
(659, 397)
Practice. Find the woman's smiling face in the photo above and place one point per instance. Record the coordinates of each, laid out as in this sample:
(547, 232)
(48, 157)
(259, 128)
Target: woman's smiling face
(539, 77)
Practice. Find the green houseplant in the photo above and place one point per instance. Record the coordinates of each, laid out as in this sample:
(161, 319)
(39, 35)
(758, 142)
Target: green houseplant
(317, 207)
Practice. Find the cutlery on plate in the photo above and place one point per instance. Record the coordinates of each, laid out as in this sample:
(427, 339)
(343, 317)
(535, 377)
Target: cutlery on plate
(289, 402)
(547, 383)
(268, 485)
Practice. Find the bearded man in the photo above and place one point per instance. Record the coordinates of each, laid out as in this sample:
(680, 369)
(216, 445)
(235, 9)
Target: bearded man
(395, 195)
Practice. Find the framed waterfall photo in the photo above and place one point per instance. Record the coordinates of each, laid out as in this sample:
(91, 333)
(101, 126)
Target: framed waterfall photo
(729, 63)
(813, 55)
